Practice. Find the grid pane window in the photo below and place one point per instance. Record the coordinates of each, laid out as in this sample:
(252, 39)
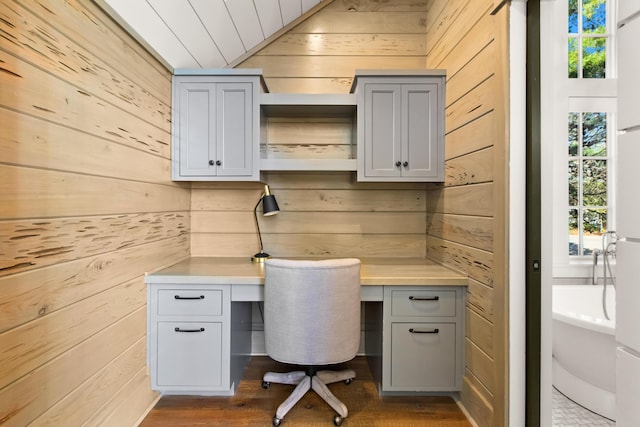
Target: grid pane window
(587, 42)
(587, 181)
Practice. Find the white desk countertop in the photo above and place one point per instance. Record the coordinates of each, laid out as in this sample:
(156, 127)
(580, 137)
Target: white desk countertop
(241, 271)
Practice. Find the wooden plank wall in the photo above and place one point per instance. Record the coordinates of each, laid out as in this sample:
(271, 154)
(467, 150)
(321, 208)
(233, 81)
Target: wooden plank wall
(467, 220)
(86, 208)
(324, 214)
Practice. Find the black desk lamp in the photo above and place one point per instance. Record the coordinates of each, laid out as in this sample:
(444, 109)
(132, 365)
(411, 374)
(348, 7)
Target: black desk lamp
(269, 207)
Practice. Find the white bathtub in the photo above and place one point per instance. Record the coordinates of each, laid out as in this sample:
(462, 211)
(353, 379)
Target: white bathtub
(584, 347)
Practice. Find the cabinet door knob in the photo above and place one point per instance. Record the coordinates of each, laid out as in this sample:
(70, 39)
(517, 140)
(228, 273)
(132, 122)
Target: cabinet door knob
(210, 162)
(218, 162)
(405, 164)
(398, 163)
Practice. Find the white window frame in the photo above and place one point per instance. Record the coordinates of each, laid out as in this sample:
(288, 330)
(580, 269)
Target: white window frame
(560, 96)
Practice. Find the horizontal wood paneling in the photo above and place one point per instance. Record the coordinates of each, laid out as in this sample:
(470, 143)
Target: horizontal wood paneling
(38, 43)
(479, 331)
(480, 364)
(310, 200)
(310, 245)
(47, 145)
(476, 199)
(35, 293)
(320, 216)
(311, 222)
(478, 102)
(122, 410)
(477, 70)
(327, 66)
(467, 215)
(477, 401)
(476, 263)
(363, 22)
(35, 244)
(71, 377)
(33, 344)
(476, 135)
(347, 45)
(87, 207)
(469, 31)
(111, 379)
(473, 168)
(51, 98)
(92, 31)
(379, 6)
(480, 299)
(40, 193)
(466, 230)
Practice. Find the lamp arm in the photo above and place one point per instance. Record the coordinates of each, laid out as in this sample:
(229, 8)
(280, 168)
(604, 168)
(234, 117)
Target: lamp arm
(255, 215)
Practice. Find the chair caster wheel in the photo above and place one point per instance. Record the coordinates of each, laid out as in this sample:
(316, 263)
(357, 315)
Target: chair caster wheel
(265, 385)
(337, 420)
(276, 421)
(348, 381)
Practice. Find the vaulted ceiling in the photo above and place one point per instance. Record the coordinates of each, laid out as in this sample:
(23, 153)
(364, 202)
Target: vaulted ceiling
(206, 33)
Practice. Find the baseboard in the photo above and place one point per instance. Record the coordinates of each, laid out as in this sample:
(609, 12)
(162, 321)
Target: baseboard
(148, 409)
(464, 411)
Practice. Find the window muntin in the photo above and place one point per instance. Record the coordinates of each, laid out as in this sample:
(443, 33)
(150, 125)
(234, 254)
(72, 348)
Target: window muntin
(588, 163)
(587, 39)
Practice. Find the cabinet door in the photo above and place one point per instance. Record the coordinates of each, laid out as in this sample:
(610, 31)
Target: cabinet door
(382, 130)
(190, 355)
(627, 8)
(628, 71)
(234, 129)
(420, 143)
(423, 357)
(195, 129)
(628, 204)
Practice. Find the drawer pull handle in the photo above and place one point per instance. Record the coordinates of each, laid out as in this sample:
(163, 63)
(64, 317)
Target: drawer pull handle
(179, 297)
(189, 330)
(417, 331)
(436, 298)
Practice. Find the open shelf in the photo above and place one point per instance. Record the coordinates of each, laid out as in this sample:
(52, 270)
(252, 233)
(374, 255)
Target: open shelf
(311, 132)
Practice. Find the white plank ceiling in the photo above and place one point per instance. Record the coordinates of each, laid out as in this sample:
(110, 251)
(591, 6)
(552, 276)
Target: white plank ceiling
(204, 33)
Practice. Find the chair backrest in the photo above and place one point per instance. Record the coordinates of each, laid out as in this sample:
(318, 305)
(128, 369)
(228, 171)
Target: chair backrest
(312, 310)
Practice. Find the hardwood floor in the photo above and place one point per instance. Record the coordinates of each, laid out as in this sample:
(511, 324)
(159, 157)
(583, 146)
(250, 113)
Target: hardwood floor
(254, 406)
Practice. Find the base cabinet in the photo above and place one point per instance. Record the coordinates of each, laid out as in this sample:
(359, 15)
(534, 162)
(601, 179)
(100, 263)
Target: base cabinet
(199, 340)
(196, 344)
(422, 340)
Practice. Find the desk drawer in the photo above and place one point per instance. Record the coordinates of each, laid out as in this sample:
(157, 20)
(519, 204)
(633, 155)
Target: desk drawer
(423, 356)
(190, 354)
(423, 302)
(190, 302)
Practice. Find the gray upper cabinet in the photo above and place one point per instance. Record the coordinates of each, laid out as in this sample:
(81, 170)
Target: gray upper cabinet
(400, 125)
(216, 126)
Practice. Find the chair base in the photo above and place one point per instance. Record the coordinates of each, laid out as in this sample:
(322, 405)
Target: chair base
(305, 381)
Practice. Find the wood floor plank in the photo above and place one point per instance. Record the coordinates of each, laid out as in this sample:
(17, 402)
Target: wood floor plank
(254, 406)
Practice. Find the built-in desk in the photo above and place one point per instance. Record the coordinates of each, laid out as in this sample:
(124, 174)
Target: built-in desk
(199, 324)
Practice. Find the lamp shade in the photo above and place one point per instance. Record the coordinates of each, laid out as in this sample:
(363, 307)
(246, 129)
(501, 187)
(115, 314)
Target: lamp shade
(269, 205)
(269, 208)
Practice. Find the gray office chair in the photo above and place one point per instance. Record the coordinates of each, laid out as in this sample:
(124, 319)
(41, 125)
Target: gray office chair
(311, 318)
